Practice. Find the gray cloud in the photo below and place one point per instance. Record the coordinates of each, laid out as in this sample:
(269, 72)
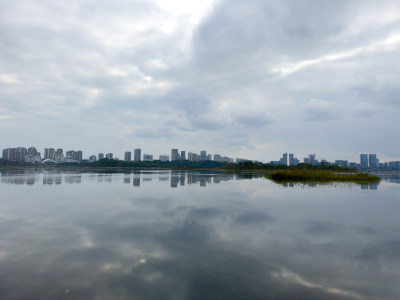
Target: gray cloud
(320, 110)
(129, 68)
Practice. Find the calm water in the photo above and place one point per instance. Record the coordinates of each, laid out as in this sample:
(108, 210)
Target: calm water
(195, 235)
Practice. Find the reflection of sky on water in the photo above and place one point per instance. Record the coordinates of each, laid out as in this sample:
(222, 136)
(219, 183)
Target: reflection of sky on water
(175, 177)
(239, 239)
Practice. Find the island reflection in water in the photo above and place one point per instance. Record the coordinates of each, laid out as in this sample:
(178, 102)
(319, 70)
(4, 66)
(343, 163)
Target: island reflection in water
(195, 235)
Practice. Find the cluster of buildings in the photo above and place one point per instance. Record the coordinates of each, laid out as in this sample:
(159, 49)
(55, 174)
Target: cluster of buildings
(56, 156)
(367, 162)
(292, 161)
(51, 155)
(21, 154)
(176, 156)
(370, 161)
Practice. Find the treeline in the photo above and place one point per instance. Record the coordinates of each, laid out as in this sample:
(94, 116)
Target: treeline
(181, 164)
(249, 165)
(5, 162)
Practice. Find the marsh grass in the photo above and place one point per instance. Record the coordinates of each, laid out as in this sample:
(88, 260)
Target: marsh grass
(320, 176)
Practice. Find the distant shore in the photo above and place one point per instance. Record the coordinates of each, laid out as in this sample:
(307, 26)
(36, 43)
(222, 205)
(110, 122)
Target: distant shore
(248, 166)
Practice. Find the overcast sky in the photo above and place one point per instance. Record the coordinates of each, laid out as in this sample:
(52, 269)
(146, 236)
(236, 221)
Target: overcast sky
(250, 79)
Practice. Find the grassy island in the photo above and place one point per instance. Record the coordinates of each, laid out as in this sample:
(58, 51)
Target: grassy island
(307, 175)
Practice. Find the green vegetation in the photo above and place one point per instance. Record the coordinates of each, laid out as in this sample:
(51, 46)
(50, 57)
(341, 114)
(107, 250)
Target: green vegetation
(7, 163)
(307, 175)
(179, 164)
(113, 163)
(249, 165)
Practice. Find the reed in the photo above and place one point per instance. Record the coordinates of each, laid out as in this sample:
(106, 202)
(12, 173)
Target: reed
(320, 176)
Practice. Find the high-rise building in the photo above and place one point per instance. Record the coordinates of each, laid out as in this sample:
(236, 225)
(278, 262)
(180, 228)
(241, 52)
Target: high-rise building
(190, 156)
(194, 157)
(137, 154)
(78, 156)
(101, 156)
(15, 154)
(174, 154)
(32, 151)
(313, 161)
(5, 153)
(183, 155)
(21, 152)
(283, 160)
(203, 155)
(239, 160)
(164, 158)
(12, 154)
(373, 161)
(291, 159)
(394, 165)
(128, 156)
(147, 157)
(74, 155)
(364, 160)
(109, 156)
(49, 153)
(59, 152)
(70, 154)
(341, 163)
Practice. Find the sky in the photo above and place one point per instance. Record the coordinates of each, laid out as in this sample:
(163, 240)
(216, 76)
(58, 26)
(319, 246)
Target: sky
(250, 79)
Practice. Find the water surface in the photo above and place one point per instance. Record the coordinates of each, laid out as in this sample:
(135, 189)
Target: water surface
(195, 235)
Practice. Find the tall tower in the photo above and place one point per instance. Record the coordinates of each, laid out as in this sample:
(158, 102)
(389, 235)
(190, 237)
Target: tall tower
(128, 155)
(373, 161)
(174, 154)
(283, 160)
(312, 158)
(137, 154)
(78, 156)
(364, 160)
(59, 152)
(291, 159)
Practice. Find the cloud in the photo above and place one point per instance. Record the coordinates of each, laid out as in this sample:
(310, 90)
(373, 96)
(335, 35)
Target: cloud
(226, 68)
(320, 110)
(377, 91)
(252, 117)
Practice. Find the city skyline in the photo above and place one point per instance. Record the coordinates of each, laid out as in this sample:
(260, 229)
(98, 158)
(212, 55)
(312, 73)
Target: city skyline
(120, 154)
(317, 76)
(52, 155)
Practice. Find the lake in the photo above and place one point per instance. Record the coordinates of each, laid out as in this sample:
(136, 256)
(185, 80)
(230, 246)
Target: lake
(195, 235)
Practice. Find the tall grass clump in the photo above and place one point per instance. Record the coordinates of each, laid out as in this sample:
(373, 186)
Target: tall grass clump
(320, 176)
